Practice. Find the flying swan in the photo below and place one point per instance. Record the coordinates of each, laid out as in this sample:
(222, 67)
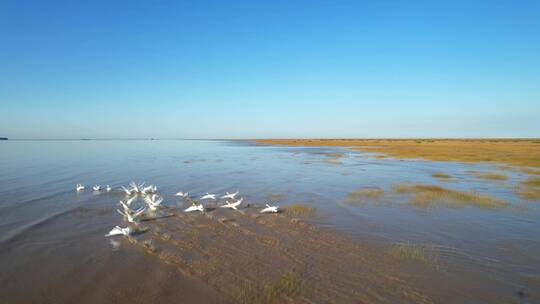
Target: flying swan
(233, 205)
(230, 195)
(182, 194)
(270, 209)
(131, 215)
(117, 230)
(195, 207)
(208, 196)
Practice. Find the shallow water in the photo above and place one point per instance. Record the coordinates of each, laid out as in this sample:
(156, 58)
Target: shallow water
(53, 249)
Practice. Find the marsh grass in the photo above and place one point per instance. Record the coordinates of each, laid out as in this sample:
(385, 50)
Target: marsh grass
(518, 152)
(441, 175)
(334, 161)
(362, 195)
(371, 192)
(492, 176)
(528, 193)
(529, 189)
(525, 170)
(419, 252)
(426, 195)
(286, 288)
(530, 171)
(299, 210)
(532, 182)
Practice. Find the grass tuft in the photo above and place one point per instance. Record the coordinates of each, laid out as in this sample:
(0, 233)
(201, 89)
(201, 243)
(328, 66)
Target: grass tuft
(419, 252)
(372, 192)
(299, 210)
(426, 195)
(492, 175)
(532, 182)
(530, 171)
(441, 175)
(358, 196)
(529, 188)
(287, 287)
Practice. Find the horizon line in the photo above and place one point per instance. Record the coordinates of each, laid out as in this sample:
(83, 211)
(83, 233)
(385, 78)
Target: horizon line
(277, 138)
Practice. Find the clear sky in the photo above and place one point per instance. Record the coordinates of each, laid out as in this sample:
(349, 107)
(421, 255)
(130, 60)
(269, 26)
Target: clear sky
(245, 69)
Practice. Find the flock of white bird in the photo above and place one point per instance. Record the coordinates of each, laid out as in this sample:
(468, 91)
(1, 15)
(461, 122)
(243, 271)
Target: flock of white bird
(153, 202)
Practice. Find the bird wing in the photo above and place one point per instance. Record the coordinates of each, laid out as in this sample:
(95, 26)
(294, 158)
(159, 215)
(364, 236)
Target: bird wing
(126, 190)
(115, 231)
(139, 211)
(129, 201)
(124, 205)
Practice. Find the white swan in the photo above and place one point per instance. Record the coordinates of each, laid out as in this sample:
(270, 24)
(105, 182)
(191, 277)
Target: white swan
(208, 196)
(153, 201)
(117, 230)
(127, 191)
(233, 205)
(182, 194)
(130, 200)
(79, 187)
(136, 187)
(108, 188)
(131, 216)
(126, 205)
(96, 188)
(230, 195)
(270, 209)
(149, 189)
(195, 207)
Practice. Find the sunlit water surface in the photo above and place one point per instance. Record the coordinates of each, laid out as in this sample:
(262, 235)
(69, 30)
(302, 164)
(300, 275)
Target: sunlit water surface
(46, 240)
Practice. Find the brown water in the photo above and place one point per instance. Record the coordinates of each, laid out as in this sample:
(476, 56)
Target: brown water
(53, 249)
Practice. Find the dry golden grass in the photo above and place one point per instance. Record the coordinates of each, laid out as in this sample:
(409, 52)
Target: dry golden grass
(441, 175)
(529, 189)
(492, 175)
(299, 210)
(427, 195)
(520, 152)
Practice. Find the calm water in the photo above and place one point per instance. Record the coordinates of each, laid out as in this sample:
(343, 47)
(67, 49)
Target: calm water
(48, 235)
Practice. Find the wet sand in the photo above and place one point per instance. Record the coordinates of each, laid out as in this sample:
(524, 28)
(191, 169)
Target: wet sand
(248, 257)
(244, 254)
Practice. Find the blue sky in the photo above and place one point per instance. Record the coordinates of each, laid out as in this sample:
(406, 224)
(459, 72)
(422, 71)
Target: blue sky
(245, 69)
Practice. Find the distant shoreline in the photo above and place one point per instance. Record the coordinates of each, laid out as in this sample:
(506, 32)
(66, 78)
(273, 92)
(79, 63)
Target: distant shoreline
(338, 141)
(512, 151)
